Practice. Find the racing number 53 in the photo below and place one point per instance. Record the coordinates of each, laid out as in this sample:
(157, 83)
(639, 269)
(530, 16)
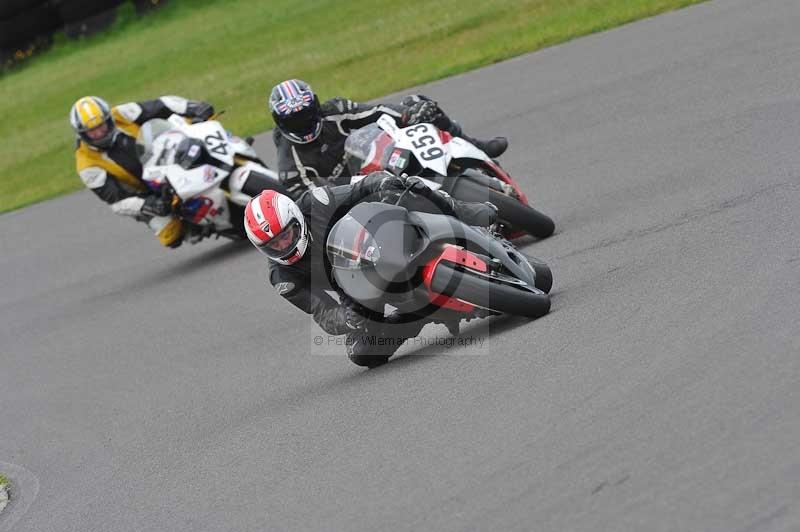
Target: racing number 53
(426, 139)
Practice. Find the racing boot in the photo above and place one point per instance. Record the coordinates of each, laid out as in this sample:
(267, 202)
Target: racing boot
(493, 147)
(368, 350)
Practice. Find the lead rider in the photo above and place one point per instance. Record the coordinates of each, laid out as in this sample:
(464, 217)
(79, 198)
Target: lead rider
(310, 136)
(293, 237)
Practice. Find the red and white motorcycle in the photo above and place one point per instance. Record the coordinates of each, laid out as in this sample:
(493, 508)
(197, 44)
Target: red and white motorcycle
(206, 173)
(444, 162)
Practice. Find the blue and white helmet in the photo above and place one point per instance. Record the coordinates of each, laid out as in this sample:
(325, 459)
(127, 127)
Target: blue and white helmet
(296, 111)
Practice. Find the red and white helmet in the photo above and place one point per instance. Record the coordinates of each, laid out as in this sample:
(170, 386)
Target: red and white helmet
(276, 227)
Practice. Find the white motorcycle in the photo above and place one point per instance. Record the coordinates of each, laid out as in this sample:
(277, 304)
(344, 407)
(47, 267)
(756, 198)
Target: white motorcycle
(207, 174)
(447, 163)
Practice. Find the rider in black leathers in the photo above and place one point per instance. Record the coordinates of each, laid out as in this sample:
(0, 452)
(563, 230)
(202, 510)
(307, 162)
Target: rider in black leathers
(310, 136)
(305, 282)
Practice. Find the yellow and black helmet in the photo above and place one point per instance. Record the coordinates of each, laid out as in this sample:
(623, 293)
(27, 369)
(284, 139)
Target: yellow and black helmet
(89, 113)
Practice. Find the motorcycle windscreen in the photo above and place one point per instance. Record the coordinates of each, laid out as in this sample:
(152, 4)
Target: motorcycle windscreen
(368, 150)
(353, 254)
(371, 250)
(157, 141)
(350, 245)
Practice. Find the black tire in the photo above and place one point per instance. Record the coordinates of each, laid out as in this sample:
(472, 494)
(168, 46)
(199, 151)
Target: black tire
(256, 183)
(488, 294)
(544, 276)
(237, 218)
(512, 211)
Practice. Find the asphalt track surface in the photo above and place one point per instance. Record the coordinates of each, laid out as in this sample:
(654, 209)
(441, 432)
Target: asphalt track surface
(148, 390)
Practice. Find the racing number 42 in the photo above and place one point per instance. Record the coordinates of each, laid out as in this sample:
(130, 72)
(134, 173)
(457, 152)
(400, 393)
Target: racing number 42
(216, 143)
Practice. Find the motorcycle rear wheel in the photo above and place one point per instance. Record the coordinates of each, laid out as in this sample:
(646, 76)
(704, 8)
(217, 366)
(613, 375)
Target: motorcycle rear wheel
(514, 212)
(237, 219)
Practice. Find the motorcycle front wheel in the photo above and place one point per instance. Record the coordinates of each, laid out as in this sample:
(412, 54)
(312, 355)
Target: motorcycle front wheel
(237, 219)
(482, 291)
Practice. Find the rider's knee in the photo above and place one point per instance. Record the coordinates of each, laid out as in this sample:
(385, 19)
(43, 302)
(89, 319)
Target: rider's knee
(169, 230)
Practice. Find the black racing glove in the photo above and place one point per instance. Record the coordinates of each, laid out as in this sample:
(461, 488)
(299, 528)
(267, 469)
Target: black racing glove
(200, 111)
(401, 184)
(417, 186)
(156, 206)
(390, 183)
(354, 320)
(426, 111)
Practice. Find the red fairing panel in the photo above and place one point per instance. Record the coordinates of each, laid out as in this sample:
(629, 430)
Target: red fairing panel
(455, 255)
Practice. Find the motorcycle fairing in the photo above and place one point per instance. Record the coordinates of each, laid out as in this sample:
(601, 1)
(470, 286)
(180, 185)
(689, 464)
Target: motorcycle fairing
(460, 257)
(407, 243)
(209, 208)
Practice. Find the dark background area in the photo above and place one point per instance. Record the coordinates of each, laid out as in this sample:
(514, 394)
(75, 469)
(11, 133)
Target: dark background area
(28, 26)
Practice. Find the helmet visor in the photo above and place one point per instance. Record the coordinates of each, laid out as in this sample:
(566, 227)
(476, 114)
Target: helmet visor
(99, 132)
(301, 123)
(149, 141)
(285, 242)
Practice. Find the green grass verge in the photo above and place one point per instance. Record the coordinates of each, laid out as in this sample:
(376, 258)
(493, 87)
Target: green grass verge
(232, 52)
(5, 486)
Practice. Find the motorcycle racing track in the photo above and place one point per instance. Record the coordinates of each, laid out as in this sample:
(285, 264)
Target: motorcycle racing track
(144, 389)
